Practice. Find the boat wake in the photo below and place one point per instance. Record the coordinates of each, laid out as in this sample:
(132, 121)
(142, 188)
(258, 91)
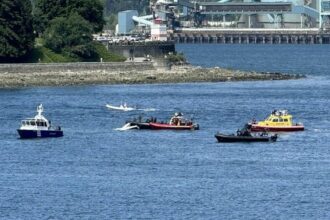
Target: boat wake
(147, 109)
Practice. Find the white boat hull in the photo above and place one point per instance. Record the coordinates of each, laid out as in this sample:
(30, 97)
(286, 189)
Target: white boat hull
(120, 108)
(126, 127)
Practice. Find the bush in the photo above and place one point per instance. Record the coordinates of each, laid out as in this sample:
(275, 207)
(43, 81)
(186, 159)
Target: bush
(106, 55)
(177, 58)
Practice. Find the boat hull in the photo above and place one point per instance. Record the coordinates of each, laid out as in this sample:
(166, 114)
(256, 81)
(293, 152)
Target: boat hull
(125, 109)
(257, 128)
(232, 138)
(29, 134)
(159, 126)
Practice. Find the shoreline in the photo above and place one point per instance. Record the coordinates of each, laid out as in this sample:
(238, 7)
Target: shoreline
(127, 73)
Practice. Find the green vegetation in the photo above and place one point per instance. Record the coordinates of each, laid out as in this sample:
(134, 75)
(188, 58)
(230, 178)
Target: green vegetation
(45, 55)
(71, 35)
(64, 27)
(47, 10)
(41, 54)
(176, 59)
(16, 32)
(114, 6)
(111, 22)
(107, 56)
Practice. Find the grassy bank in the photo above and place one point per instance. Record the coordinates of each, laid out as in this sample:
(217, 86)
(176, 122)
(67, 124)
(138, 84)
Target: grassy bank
(41, 54)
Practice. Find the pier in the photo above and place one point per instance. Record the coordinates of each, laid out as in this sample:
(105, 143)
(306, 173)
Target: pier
(250, 36)
(142, 49)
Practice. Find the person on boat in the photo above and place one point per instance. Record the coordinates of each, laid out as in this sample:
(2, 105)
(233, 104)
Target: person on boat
(264, 134)
(246, 133)
(174, 121)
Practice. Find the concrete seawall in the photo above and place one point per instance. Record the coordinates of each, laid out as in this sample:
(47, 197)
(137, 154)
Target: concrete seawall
(75, 67)
(138, 49)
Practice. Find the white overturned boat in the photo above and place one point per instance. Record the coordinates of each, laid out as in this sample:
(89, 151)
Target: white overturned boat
(121, 107)
(126, 127)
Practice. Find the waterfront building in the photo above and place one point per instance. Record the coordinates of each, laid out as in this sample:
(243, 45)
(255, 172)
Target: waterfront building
(324, 6)
(125, 21)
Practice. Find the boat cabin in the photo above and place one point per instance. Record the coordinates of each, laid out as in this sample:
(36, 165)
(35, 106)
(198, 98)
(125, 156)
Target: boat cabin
(35, 123)
(39, 122)
(38, 127)
(178, 119)
(278, 118)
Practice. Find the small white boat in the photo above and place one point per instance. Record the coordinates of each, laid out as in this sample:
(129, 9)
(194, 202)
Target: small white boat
(121, 107)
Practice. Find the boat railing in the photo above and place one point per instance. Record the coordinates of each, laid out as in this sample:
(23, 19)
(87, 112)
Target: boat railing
(56, 128)
(280, 112)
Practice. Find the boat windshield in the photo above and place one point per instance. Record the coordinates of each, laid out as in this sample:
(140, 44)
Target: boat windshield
(40, 123)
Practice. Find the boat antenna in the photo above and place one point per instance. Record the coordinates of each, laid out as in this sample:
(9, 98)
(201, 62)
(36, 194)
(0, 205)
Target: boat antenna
(40, 109)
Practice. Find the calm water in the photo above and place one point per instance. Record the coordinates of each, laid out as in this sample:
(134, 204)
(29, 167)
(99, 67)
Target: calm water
(95, 172)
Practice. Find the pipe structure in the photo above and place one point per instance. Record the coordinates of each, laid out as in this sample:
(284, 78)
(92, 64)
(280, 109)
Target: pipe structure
(143, 19)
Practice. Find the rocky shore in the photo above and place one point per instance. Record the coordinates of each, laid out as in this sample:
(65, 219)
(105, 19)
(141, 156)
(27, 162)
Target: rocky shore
(20, 77)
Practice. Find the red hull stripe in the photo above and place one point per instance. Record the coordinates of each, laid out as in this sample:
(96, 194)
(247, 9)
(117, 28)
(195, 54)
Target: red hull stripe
(268, 128)
(168, 126)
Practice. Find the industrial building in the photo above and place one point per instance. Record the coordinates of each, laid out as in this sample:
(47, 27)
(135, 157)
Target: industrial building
(245, 13)
(125, 21)
(286, 20)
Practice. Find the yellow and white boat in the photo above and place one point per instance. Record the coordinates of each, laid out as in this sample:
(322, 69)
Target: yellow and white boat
(278, 121)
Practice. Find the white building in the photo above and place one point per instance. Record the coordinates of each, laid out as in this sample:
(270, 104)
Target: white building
(158, 32)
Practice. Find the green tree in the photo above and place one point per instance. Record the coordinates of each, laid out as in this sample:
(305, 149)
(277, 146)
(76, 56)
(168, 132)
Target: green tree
(90, 10)
(111, 22)
(114, 6)
(16, 32)
(72, 35)
(47, 10)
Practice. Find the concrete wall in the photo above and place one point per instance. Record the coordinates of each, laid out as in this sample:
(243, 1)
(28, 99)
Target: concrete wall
(157, 49)
(74, 67)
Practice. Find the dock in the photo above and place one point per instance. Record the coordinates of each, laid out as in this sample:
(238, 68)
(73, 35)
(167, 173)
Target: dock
(251, 36)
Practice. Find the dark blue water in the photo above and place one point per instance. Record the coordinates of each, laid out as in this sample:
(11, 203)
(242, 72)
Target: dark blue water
(299, 59)
(95, 172)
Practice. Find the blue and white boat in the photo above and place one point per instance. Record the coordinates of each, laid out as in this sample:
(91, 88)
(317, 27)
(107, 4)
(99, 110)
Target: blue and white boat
(38, 127)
